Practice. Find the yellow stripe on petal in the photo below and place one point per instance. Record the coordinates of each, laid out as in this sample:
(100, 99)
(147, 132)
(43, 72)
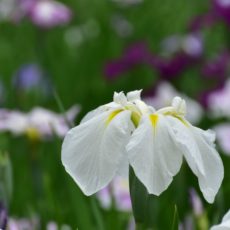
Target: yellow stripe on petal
(135, 117)
(154, 119)
(182, 120)
(112, 115)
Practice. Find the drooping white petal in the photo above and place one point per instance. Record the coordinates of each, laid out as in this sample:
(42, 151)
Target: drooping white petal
(92, 151)
(153, 154)
(199, 150)
(225, 224)
(214, 170)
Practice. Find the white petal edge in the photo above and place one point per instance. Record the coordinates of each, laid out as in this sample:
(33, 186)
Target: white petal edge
(200, 153)
(92, 151)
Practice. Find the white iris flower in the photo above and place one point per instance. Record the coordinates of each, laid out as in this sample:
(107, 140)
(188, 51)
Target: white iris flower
(154, 142)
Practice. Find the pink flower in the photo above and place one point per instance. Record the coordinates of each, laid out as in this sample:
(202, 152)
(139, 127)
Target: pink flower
(119, 191)
(49, 13)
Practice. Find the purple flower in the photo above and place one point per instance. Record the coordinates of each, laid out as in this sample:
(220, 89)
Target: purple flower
(31, 77)
(169, 68)
(105, 198)
(134, 55)
(217, 68)
(189, 49)
(119, 191)
(28, 76)
(222, 9)
(49, 13)
(202, 21)
(23, 224)
(3, 216)
(217, 71)
(183, 52)
(121, 194)
(196, 202)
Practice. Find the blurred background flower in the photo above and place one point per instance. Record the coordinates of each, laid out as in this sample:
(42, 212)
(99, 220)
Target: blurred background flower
(49, 13)
(117, 193)
(163, 95)
(58, 54)
(39, 123)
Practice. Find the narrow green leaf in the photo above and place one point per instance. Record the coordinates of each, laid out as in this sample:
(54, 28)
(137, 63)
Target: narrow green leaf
(175, 223)
(97, 214)
(139, 197)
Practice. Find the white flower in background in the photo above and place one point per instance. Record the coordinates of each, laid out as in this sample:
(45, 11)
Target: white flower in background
(223, 136)
(153, 141)
(224, 3)
(164, 94)
(39, 123)
(49, 13)
(190, 44)
(117, 190)
(13, 121)
(52, 225)
(23, 223)
(225, 224)
(48, 123)
(219, 102)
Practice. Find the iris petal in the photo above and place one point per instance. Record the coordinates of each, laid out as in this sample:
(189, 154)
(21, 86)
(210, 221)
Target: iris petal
(92, 152)
(153, 154)
(199, 151)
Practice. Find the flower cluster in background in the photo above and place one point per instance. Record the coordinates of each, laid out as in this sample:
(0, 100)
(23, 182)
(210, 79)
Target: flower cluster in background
(74, 54)
(38, 123)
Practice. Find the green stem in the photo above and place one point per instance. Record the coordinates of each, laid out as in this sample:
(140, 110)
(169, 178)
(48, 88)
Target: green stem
(139, 198)
(97, 214)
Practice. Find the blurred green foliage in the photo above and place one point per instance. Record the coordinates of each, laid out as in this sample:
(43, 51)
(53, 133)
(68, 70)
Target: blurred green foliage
(40, 184)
